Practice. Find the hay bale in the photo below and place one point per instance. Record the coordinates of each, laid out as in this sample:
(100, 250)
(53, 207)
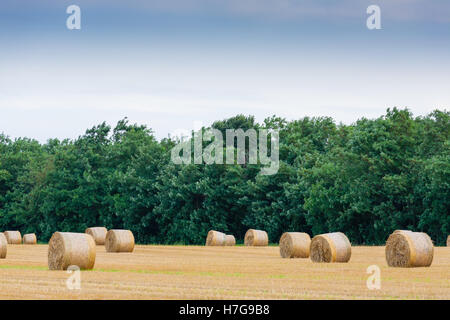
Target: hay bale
(295, 245)
(230, 240)
(216, 238)
(98, 233)
(257, 238)
(29, 238)
(119, 241)
(330, 247)
(3, 246)
(13, 237)
(66, 249)
(448, 241)
(408, 249)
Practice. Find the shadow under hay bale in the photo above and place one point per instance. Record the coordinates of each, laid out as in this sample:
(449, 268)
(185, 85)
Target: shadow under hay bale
(119, 241)
(331, 247)
(13, 237)
(98, 233)
(66, 249)
(256, 238)
(406, 249)
(295, 245)
(30, 238)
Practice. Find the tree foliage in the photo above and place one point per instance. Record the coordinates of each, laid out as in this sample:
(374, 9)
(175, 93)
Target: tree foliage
(365, 179)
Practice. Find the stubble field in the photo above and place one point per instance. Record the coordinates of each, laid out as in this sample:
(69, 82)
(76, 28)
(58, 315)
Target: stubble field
(196, 272)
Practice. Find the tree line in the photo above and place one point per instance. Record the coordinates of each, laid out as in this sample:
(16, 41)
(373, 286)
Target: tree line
(365, 179)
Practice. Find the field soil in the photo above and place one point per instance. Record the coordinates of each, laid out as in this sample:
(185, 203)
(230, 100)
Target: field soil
(196, 272)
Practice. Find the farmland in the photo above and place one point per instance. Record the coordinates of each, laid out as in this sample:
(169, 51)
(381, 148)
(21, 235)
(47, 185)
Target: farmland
(197, 272)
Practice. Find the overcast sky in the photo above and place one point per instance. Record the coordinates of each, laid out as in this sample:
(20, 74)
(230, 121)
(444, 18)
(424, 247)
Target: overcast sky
(171, 63)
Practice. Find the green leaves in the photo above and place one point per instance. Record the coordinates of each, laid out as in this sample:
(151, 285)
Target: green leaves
(365, 179)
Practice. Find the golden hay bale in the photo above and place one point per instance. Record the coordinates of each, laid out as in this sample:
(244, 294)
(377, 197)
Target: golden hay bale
(98, 233)
(216, 238)
(119, 241)
(13, 237)
(29, 238)
(256, 238)
(330, 247)
(3, 246)
(295, 245)
(230, 240)
(66, 249)
(407, 249)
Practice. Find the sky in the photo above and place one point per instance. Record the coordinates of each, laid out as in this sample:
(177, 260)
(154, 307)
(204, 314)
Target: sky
(172, 64)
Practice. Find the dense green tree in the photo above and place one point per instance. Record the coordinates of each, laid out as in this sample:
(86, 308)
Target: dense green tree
(365, 179)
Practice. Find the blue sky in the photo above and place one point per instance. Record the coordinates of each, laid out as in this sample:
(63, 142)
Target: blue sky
(171, 63)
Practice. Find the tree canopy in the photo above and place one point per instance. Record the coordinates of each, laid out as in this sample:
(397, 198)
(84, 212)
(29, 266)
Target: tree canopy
(365, 179)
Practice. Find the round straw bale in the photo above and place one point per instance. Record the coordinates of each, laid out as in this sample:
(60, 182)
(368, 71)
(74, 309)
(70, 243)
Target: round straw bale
(3, 246)
(29, 238)
(98, 233)
(256, 238)
(66, 249)
(216, 238)
(230, 240)
(295, 245)
(409, 249)
(119, 241)
(13, 237)
(330, 247)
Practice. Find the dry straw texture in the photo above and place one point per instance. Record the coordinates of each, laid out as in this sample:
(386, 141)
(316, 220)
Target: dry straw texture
(230, 240)
(29, 238)
(295, 245)
(119, 241)
(409, 249)
(13, 237)
(66, 249)
(3, 246)
(257, 238)
(331, 247)
(98, 233)
(216, 238)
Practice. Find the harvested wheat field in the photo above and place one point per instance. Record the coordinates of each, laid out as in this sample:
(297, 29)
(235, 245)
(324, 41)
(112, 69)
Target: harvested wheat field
(198, 272)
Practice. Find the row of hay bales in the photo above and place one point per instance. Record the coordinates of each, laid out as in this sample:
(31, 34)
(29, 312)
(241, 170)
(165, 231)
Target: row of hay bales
(68, 248)
(15, 237)
(217, 238)
(257, 238)
(329, 247)
(403, 248)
